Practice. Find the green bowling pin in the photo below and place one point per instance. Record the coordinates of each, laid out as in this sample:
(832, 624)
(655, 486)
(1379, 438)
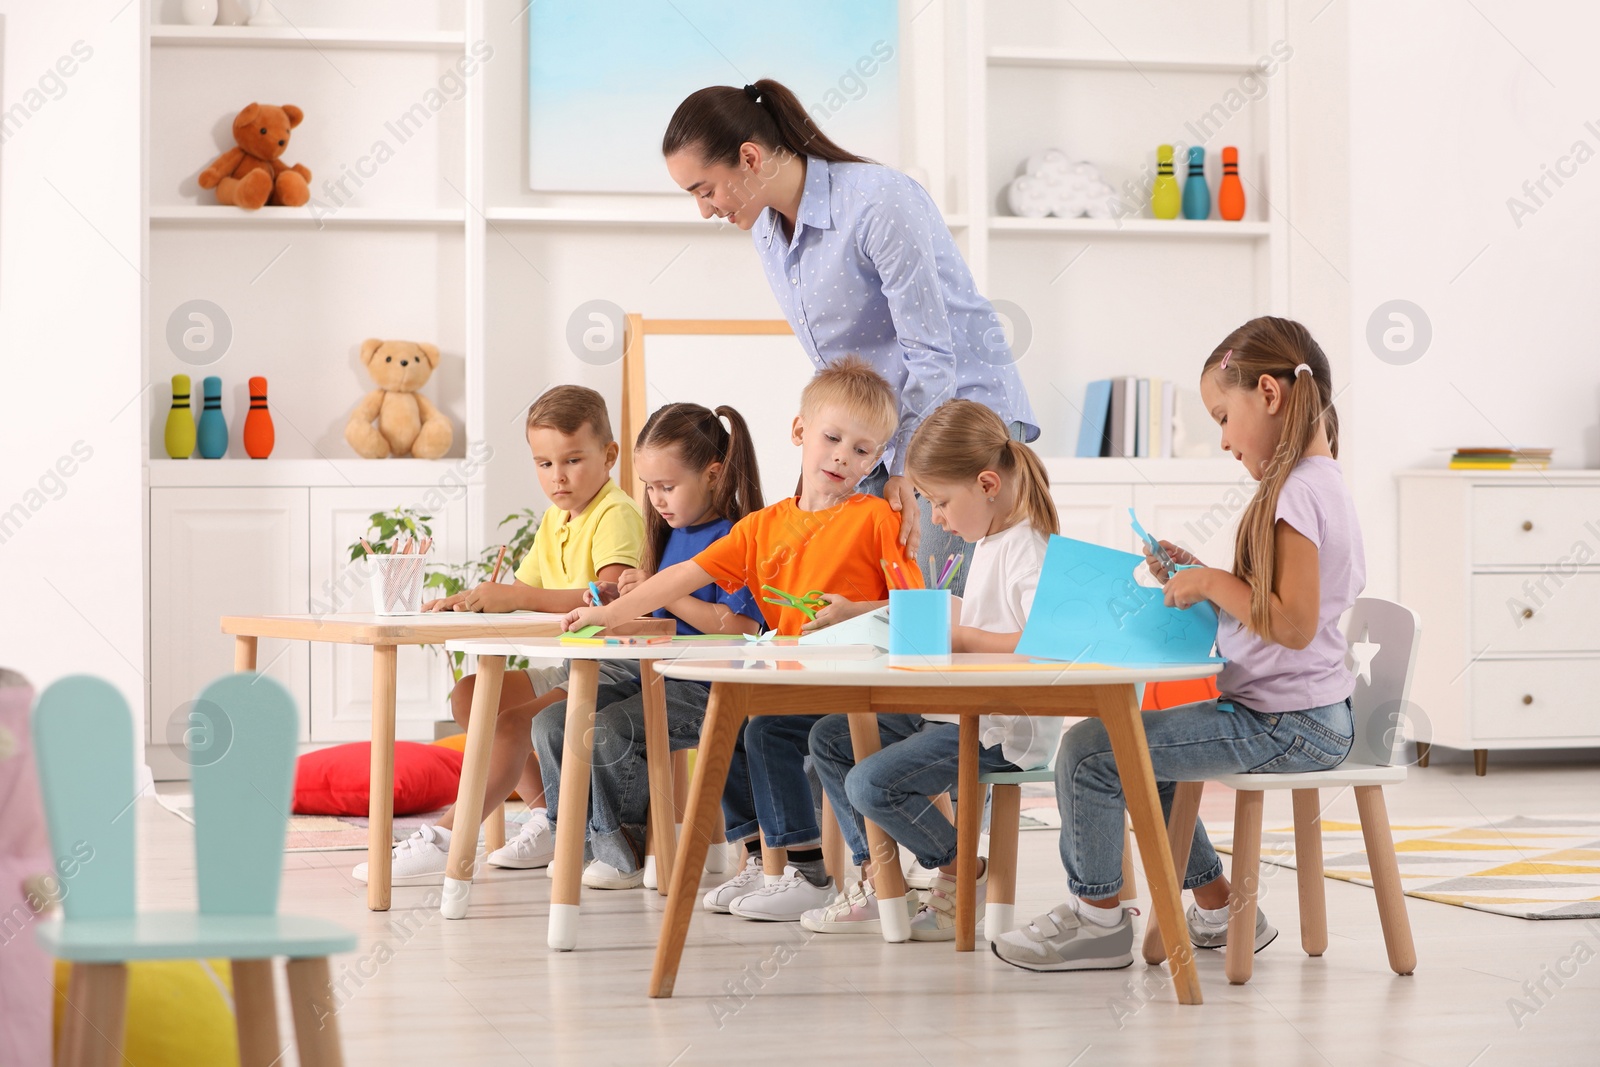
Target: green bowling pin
(180, 420)
(1166, 198)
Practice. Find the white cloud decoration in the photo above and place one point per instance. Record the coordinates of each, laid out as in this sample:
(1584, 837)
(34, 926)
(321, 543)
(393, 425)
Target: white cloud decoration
(1052, 184)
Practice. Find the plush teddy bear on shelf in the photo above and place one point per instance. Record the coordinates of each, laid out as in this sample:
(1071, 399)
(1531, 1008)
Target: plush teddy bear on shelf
(251, 173)
(408, 423)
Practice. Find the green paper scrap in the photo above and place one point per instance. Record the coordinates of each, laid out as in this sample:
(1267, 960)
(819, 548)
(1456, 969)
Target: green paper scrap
(587, 631)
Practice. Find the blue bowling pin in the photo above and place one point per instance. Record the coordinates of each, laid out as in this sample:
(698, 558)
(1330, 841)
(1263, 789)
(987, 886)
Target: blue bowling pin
(1196, 197)
(213, 427)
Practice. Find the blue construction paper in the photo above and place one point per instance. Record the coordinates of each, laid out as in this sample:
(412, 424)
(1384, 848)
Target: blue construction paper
(1088, 609)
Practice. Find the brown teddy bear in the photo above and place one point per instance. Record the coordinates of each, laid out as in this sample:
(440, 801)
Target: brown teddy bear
(251, 174)
(408, 423)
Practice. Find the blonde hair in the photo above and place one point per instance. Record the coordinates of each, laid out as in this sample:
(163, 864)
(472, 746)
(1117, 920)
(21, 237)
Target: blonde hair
(962, 438)
(853, 385)
(1275, 347)
(567, 408)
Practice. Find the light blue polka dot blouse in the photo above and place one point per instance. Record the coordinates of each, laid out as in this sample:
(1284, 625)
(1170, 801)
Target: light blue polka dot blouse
(872, 270)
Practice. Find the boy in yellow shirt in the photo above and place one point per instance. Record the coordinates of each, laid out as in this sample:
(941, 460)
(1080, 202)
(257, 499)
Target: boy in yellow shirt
(593, 531)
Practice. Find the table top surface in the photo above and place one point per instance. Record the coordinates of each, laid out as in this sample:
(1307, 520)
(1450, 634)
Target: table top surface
(970, 670)
(554, 648)
(421, 629)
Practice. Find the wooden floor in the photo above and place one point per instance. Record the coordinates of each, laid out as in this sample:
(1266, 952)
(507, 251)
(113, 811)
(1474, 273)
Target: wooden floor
(485, 991)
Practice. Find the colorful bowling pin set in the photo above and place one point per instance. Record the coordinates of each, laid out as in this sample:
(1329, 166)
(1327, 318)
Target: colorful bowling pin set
(211, 433)
(1193, 199)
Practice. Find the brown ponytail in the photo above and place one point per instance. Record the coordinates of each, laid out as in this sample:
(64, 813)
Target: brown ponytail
(962, 438)
(1274, 346)
(716, 120)
(698, 436)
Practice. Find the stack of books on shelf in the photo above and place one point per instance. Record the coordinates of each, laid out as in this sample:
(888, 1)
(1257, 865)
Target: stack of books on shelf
(1500, 459)
(1128, 417)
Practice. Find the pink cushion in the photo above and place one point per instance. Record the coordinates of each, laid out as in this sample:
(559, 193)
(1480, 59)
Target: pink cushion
(333, 781)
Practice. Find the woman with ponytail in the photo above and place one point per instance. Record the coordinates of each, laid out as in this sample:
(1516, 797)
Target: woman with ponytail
(699, 472)
(1285, 691)
(860, 261)
(992, 491)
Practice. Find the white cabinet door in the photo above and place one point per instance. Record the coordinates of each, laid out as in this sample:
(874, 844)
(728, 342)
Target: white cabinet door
(216, 552)
(1200, 518)
(1095, 513)
(341, 675)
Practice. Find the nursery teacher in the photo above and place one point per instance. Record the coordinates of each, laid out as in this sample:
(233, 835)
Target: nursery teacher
(861, 262)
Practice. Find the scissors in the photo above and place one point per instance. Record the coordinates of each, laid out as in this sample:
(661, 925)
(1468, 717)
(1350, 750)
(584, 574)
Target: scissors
(1162, 556)
(807, 605)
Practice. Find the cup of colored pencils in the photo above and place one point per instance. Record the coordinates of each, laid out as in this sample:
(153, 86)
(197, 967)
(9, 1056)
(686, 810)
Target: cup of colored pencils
(919, 616)
(397, 576)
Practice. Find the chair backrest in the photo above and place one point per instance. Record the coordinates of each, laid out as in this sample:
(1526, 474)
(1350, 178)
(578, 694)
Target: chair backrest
(1380, 704)
(243, 778)
(83, 744)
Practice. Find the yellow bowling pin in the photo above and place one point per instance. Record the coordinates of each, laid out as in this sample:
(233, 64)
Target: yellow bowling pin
(180, 420)
(1166, 199)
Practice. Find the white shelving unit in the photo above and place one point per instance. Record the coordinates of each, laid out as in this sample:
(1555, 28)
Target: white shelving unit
(304, 37)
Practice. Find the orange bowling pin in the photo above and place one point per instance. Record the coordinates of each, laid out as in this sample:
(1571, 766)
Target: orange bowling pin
(1230, 195)
(258, 434)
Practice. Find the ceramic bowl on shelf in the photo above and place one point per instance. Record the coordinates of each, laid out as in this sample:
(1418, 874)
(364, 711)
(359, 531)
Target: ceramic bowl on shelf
(199, 12)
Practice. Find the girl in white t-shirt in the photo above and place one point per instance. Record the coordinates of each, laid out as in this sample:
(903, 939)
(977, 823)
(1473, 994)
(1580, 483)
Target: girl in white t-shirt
(987, 488)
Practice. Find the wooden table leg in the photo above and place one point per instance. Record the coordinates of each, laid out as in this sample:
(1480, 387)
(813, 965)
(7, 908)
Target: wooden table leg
(658, 769)
(91, 1029)
(255, 1013)
(380, 798)
(887, 878)
(244, 653)
(494, 828)
(577, 756)
(1119, 711)
(725, 715)
(474, 780)
(835, 853)
(968, 818)
(316, 1019)
(1180, 831)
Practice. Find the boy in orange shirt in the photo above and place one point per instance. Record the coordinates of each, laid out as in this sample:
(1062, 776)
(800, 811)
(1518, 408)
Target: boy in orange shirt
(831, 538)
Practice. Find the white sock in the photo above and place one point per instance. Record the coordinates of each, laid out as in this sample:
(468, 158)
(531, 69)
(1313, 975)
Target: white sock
(538, 815)
(1212, 916)
(1106, 917)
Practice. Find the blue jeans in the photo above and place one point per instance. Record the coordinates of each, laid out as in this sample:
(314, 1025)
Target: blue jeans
(619, 789)
(776, 746)
(892, 786)
(1187, 743)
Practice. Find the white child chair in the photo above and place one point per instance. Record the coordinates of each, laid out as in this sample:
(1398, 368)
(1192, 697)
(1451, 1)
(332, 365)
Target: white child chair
(1382, 638)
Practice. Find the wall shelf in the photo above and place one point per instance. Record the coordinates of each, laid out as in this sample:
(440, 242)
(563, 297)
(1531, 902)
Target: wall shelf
(333, 473)
(225, 215)
(306, 37)
(1023, 56)
(1170, 229)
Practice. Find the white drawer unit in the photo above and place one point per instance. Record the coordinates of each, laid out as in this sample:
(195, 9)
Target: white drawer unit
(1504, 568)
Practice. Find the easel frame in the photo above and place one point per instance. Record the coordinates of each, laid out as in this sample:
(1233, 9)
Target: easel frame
(635, 399)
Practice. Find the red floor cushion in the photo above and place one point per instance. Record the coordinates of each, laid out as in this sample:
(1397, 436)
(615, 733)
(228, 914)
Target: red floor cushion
(333, 781)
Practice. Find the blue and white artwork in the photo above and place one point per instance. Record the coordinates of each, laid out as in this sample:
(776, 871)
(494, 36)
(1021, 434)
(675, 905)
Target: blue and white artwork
(604, 77)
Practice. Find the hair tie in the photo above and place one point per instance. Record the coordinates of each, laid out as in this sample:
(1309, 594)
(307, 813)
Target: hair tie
(1225, 357)
(753, 93)
(1306, 367)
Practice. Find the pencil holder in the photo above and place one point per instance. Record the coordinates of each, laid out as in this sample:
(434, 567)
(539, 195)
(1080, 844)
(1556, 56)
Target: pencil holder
(397, 583)
(919, 626)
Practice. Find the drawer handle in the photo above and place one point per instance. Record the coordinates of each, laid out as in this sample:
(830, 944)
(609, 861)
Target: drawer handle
(1527, 525)
(1527, 698)
(1527, 613)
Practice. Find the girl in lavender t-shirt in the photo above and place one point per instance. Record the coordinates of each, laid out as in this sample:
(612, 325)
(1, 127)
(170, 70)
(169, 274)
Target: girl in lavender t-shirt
(1285, 706)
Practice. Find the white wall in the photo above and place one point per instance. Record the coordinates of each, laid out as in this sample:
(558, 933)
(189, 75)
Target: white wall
(69, 331)
(1452, 108)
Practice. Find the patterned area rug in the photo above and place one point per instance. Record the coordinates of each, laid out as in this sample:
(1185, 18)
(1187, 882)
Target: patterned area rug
(318, 833)
(1530, 868)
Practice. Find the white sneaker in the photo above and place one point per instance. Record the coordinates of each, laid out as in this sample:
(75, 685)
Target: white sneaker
(533, 847)
(746, 881)
(418, 860)
(650, 881)
(920, 877)
(601, 875)
(855, 911)
(936, 921)
(785, 900)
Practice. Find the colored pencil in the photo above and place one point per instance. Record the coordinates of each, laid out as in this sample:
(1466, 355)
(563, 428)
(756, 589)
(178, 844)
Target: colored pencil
(900, 575)
(494, 578)
(950, 576)
(888, 576)
(944, 572)
(366, 547)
